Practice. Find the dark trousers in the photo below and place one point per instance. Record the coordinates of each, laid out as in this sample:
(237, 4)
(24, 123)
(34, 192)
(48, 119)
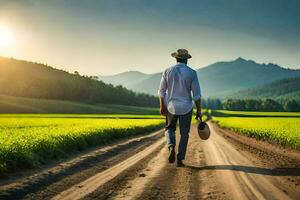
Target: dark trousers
(184, 127)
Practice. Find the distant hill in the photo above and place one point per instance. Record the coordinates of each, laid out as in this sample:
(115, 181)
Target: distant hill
(135, 77)
(33, 80)
(10, 104)
(283, 89)
(222, 78)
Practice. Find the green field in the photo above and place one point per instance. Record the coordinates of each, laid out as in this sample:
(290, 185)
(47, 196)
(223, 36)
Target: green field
(10, 104)
(30, 140)
(280, 127)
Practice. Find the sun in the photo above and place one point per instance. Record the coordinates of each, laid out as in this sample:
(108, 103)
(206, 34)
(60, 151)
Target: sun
(6, 37)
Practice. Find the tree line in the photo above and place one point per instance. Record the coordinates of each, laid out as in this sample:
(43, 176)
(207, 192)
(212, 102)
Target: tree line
(211, 103)
(288, 105)
(33, 80)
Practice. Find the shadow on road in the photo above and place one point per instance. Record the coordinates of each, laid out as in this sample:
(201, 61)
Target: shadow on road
(254, 170)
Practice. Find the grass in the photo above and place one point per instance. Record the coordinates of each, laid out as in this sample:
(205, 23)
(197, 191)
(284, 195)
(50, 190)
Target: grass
(281, 127)
(10, 104)
(230, 113)
(30, 140)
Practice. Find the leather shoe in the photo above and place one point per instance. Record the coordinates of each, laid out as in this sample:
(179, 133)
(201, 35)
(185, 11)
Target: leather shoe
(171, 155)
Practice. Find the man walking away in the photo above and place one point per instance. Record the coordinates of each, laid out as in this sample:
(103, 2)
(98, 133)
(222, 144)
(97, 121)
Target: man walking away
(176, 103)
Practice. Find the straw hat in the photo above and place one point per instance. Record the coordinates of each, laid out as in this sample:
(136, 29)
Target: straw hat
(182, 54)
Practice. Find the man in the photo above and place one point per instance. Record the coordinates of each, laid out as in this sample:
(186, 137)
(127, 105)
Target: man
(176, 103)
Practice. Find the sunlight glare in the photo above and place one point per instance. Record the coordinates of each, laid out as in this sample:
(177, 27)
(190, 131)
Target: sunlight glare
(6, 37)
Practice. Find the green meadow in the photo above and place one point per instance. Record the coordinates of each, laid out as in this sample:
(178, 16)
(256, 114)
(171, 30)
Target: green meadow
(280, 127)
(12, 104)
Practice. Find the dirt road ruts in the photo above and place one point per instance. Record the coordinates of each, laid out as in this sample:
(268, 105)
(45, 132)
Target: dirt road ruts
(227, 166)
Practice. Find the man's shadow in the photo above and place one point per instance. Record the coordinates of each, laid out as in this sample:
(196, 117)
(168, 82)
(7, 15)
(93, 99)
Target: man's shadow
(254, 170)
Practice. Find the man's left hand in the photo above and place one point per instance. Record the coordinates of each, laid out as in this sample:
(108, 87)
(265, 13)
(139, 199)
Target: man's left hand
(198, 115)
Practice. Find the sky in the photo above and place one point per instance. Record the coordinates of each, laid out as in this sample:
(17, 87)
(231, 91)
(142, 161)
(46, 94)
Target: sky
(101, 37)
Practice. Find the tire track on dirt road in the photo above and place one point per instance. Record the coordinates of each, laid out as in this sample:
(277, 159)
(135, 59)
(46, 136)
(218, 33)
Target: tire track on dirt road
(215, 169)
(91, 184)
(240, 178)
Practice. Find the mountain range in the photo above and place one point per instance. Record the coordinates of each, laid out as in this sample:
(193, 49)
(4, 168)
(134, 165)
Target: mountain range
(288, 88)
(218, 80)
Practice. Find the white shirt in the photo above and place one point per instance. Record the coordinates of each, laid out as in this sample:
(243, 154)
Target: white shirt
(177, 84)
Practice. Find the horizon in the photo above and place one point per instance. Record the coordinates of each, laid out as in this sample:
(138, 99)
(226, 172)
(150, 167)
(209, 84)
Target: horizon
(98, 37)
(195, 68)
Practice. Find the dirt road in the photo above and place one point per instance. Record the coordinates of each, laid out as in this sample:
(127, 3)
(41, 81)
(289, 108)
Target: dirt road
(227, 166)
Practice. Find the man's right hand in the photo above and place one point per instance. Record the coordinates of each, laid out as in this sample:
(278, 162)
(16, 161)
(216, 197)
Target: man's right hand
(199, 115)
(163, 111)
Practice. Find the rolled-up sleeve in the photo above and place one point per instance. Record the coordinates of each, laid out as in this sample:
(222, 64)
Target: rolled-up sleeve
(163, 86)
(196, 88)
